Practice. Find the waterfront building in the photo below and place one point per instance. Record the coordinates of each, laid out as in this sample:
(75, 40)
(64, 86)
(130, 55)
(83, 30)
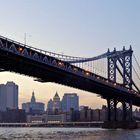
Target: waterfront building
(70, 101)
(83, 114)
(96, 115)
(56, 118)
(33, 107)
(36, 118)
(13, 116)
(104, 113)
(88, 114)
(46, 118)
(74, 115)
(8, 96)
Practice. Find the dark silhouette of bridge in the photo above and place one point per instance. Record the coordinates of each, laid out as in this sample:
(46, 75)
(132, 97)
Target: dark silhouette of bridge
(46, 66)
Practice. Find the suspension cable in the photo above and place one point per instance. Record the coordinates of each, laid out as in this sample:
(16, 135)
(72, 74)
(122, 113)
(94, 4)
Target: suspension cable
(136, 61)
(136, 72)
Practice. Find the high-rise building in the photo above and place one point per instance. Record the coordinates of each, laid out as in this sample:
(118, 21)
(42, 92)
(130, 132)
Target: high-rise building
(56, 103)
(50, 106)
(70, 101)
(12, 95)
(8, 96)
(33, 107)
(3, 96)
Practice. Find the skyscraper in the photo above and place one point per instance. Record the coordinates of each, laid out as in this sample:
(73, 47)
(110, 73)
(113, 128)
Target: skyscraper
(70, 101)
(8, 96)
(3, 96)
(56, 103)
(50, 106)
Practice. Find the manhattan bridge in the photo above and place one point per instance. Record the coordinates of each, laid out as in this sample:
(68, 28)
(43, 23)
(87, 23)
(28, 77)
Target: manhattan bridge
(113, 75)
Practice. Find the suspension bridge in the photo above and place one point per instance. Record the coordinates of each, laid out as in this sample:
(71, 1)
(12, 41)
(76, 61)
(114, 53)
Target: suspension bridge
(113, 75)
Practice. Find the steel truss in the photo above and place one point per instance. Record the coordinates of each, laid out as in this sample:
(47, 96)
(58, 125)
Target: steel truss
(125, 61)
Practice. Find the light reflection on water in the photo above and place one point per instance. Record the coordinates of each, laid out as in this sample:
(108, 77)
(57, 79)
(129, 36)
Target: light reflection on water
(67, 134)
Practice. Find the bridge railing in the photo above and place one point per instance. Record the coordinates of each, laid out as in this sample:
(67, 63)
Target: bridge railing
(56, 55)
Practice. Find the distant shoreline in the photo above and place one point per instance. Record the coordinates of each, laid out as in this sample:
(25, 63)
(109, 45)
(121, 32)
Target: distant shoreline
(66, 124)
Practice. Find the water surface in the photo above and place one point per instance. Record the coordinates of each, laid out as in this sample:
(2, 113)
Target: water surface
(67, 134)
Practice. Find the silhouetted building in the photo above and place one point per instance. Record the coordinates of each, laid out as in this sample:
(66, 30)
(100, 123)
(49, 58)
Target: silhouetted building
(36, 118)
(33, 107)
(8, 96)
(56, 104)
(70, 101)
(96, 115)
(83, 114)
(87, 114)
(13, 116)
(90, 115)
(103, 113)
(59, 118)
(50, 106)
(74, 115)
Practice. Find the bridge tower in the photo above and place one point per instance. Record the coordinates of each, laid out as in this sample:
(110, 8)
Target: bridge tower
(125, 61)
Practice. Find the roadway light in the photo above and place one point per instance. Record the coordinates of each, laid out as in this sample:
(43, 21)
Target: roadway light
(20, 49)
(60, 63)
(115, 84)
(87, 73)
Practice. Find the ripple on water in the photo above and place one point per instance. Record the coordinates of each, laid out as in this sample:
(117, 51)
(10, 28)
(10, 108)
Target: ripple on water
(67, 134)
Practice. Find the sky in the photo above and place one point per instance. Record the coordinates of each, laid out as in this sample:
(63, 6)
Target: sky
(74, 27)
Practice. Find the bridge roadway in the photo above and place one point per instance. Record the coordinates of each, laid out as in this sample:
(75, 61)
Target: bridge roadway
(18, 58)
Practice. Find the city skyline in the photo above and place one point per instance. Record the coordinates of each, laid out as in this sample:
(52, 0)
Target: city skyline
(76, 28)
(20, 101)
(25, 96)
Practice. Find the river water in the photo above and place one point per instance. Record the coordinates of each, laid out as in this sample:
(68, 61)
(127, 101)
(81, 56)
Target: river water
(67, 134)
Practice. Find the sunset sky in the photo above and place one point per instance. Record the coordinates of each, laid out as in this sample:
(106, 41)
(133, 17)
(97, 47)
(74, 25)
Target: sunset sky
(74, 27)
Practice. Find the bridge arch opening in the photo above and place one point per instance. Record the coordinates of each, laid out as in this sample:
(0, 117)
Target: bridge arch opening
(119, 113)
(45, 59)
(25, 52)
(36, 56)
(13, 48)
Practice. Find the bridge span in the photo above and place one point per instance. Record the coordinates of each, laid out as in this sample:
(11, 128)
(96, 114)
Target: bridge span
(50, 67)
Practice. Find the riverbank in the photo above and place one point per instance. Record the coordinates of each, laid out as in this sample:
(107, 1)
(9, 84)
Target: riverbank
(65, 124)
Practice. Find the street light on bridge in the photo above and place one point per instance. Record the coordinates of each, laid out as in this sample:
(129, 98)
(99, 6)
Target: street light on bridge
(25, 38)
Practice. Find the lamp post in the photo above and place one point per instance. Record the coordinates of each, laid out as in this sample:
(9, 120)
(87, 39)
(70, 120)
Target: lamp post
(25, 38)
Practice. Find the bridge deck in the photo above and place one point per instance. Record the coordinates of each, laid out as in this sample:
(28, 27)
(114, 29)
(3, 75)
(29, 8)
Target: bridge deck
(16, 57)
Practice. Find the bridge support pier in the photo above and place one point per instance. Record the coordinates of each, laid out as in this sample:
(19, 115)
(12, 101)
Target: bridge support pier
(112, 110)
(113, 122)
(127, 111)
